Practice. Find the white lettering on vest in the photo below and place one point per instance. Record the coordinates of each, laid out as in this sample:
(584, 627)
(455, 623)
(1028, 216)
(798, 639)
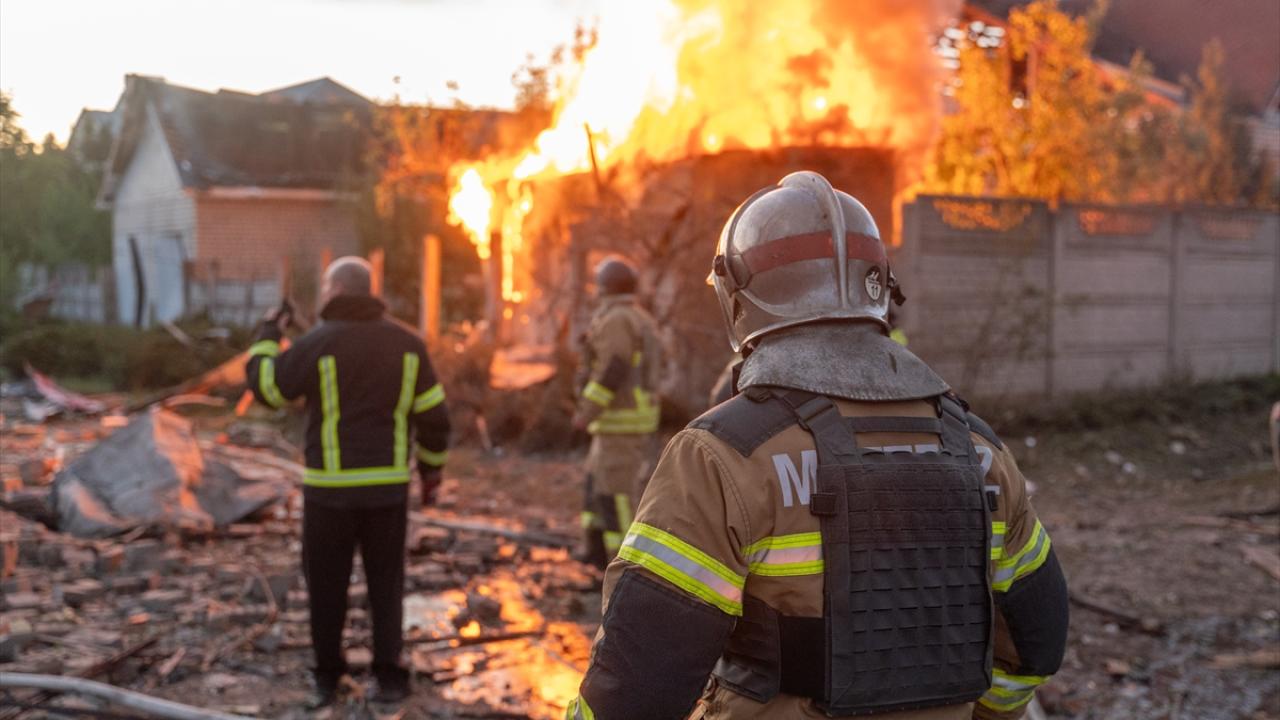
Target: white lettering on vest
(801, 483)
(798, 485)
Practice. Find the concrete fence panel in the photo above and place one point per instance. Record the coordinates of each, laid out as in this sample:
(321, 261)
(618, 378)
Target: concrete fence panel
(1112, 277)
(1227, 300)
(1010, 299)
(977, 278)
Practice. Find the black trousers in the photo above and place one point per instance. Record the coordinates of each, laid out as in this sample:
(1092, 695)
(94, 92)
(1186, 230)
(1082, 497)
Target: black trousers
(330, 536)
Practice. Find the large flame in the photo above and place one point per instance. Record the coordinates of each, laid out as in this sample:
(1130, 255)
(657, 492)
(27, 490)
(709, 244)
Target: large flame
(470, 206)
(669, 79)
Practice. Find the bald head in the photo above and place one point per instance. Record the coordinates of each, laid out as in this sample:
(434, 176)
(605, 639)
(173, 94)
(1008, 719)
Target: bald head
(349, 275)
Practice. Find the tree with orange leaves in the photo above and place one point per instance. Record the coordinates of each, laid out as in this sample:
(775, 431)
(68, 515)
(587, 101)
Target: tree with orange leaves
(1036, 116)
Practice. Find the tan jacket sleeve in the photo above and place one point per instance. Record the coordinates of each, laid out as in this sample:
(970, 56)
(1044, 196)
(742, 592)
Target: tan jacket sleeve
(672, 595)
(690, 528)
(610, 346)
(1021, 545)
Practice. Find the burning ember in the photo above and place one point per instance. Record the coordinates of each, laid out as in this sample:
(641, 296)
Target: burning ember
(534, 667)
(671, 79)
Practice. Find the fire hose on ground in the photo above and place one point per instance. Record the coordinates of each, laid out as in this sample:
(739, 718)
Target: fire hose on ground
(151, 706)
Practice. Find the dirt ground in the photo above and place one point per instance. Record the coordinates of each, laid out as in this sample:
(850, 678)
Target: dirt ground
(1171, 619)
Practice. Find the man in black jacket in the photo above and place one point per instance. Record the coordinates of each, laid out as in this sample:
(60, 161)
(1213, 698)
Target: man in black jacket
(371, 395)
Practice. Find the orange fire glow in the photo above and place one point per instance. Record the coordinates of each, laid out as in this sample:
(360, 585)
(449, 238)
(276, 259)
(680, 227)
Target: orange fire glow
(669, 79)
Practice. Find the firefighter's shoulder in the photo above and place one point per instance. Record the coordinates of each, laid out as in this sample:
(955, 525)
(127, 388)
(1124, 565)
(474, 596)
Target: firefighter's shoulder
(747, 420)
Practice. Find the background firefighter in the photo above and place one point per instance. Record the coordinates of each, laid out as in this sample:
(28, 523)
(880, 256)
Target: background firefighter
(618, 406)
(842, 537)
(371, 394)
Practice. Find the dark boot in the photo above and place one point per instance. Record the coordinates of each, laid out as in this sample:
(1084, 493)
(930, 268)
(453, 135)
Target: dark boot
(392, 686)
(324, 689)
(592, 550)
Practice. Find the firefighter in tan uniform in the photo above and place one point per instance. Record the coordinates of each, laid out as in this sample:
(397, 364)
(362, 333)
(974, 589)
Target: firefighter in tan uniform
(842, 537)
(618, 407)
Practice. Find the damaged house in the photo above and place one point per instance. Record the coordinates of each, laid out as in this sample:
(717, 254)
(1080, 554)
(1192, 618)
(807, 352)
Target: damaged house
(213, 195)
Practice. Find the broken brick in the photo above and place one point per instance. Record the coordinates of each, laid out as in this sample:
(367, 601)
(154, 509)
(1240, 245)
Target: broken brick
(162, 601)
(128, 584)
(142, 555)
(82, 591)
(110, 560)
(23, 601)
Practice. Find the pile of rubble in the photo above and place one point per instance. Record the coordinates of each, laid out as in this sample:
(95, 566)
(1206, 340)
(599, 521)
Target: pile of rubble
(174, 572)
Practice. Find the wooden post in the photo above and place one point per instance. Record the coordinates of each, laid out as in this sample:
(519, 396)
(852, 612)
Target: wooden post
(430, 305)
(377, 259)
(493, 286)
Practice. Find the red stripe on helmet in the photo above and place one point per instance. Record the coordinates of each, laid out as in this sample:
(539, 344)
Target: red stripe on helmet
(812, 246)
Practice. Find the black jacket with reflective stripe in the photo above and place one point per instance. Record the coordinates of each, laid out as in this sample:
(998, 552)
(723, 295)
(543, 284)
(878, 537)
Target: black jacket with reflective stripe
(374, 404)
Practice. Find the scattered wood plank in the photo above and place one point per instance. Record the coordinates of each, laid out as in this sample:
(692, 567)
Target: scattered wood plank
(1265, 659)
(1228, 523)
(525, 537)
(1266, 559)
(1147, 625)
(166, 668)
(1246, 514)
(449, 642)
(257, 631)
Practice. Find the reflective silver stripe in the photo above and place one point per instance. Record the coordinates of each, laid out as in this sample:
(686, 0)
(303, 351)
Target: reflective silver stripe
(1009, 683)
(1009, 692)
(1028, 559)
(786, 555)
(998, 530)
(692, 570)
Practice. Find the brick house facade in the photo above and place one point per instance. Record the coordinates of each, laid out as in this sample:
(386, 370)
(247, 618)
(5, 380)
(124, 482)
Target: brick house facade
(213, 195)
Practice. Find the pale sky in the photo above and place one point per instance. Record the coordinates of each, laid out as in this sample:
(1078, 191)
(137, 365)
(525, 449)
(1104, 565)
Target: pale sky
(58, 56)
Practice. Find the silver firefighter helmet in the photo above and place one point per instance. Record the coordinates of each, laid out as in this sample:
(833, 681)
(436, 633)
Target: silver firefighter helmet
(800, 252)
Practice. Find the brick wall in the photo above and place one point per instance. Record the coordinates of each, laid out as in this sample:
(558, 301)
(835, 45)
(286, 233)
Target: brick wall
(251, 238)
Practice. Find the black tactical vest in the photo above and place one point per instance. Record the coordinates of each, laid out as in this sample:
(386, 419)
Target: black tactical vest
(908, 620)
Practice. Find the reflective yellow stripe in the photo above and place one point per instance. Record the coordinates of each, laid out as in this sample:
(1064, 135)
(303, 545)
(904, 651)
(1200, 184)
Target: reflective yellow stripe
(612, 542)
(642, 419)
(1024, 562)
(356, 477)
(266, 348)
(267, 383)
(408, 380)
(785, 555)
(684, 566)
(330, 413)
(1009, 692)
(588, 519)
(430, 398)
(898, 336)
(579, 710)
(598, 394)
(622, 506)
(998, 530)
(434, 459)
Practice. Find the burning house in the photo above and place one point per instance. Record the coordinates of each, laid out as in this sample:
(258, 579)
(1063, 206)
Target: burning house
(646, 160)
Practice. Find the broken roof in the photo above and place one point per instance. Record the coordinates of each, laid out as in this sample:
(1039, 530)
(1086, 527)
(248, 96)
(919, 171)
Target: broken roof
(312, 135)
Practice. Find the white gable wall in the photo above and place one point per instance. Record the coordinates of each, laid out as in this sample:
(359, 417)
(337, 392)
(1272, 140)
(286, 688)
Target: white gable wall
(153, 209)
